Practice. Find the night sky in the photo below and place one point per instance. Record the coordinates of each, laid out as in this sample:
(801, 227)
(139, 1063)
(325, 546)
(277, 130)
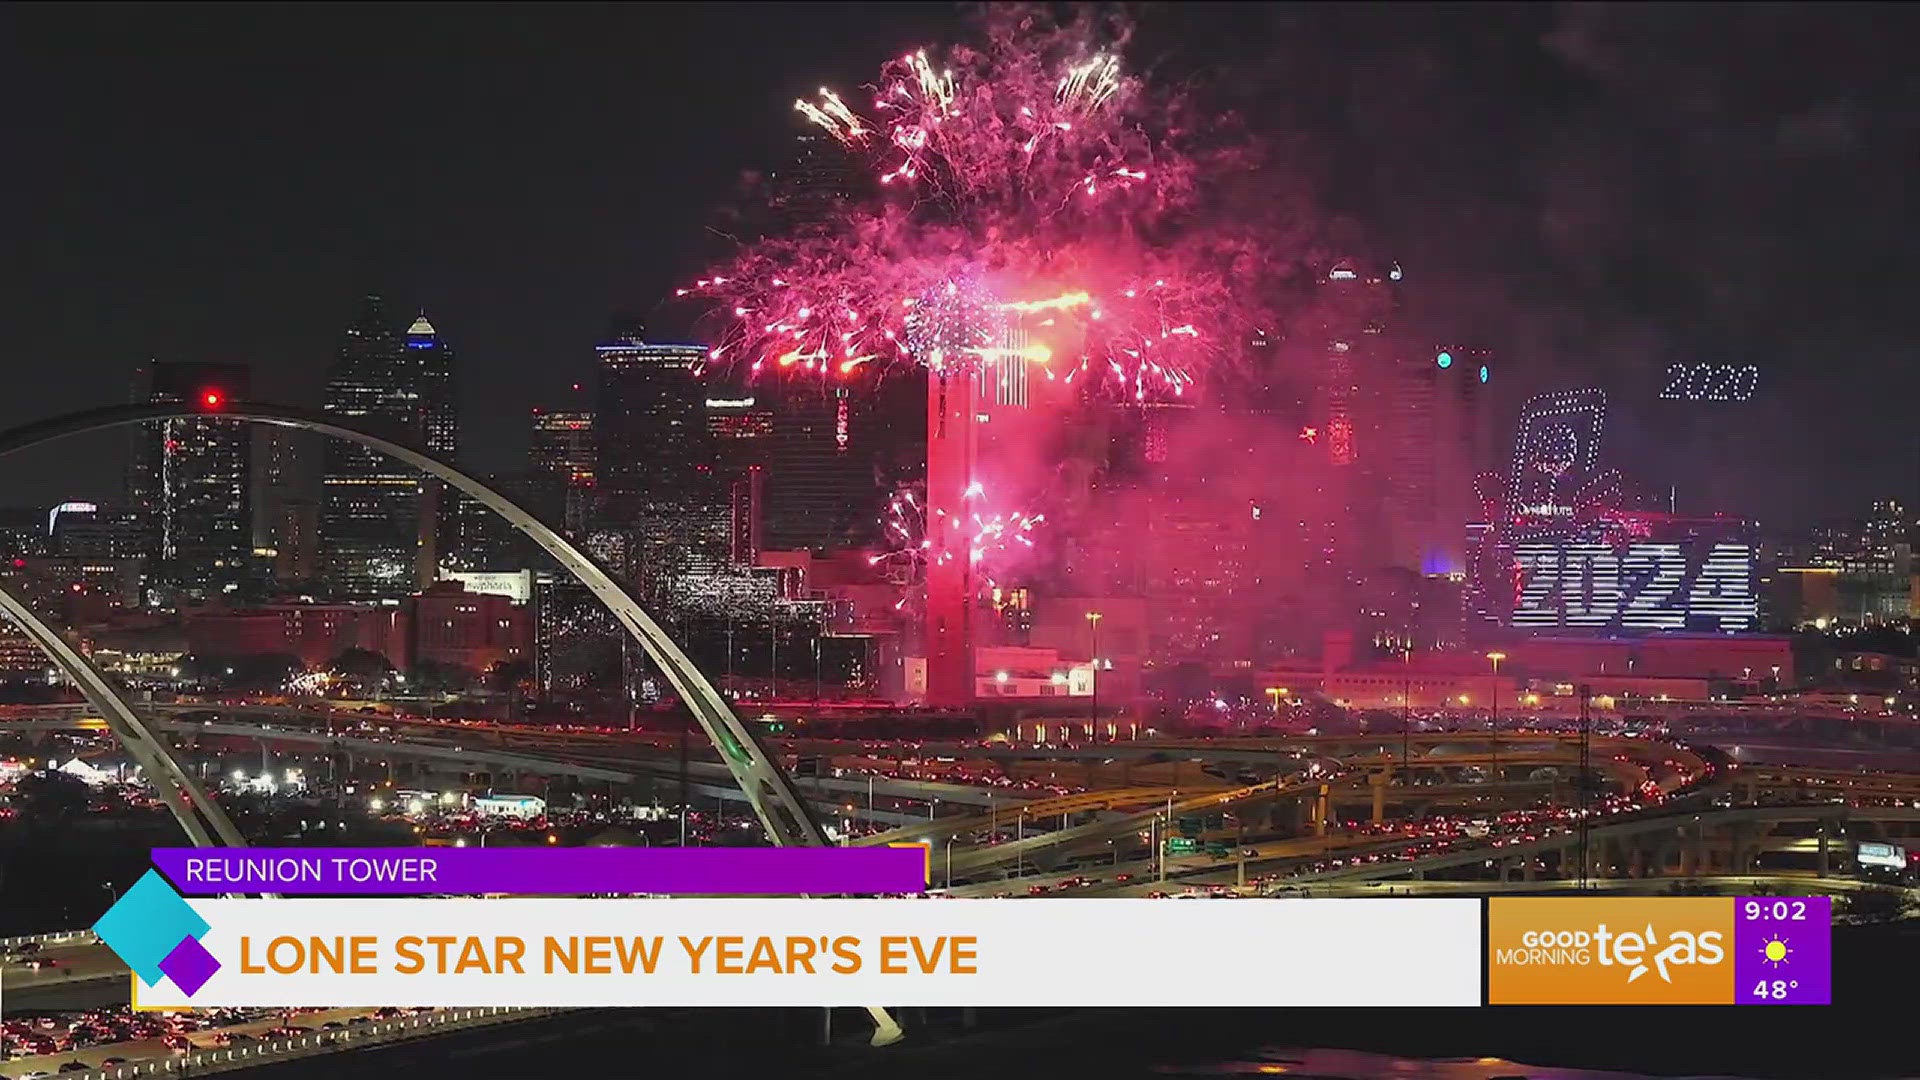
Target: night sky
(1595, 192)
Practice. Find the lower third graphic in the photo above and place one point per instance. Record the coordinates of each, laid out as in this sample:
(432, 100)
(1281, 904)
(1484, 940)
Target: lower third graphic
(158, 935)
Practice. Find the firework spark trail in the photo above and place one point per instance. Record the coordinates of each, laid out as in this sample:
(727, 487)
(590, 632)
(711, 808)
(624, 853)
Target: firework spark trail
(833, 115)
(1027, 183)
(904, 527)
(988, 537)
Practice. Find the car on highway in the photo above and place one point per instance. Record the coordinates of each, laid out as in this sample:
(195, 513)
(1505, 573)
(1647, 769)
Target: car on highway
(74, 1066)
(179, 1044)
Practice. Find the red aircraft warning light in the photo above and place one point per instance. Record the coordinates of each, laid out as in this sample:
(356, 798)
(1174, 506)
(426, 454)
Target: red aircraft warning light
(212, 399)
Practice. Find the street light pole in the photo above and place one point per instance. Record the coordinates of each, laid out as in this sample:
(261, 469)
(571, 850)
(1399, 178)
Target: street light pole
(1586, 744)
(1406, 713)
(1093, 621)
(1493, 728)
(1166, 837)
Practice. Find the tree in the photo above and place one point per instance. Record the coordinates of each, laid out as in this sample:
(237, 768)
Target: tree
(507, 675)
(265, 671)
(50, 794)
(360, 663)
(429, 676)
(363, 667)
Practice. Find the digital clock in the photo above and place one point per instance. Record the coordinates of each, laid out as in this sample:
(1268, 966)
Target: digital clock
(1775, 911)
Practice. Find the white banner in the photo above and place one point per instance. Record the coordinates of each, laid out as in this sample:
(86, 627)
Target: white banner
(799, 952)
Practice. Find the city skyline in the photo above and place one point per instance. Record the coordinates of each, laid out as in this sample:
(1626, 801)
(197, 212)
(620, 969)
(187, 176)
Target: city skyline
(1442, 474)
(1191, 383)
(226, 300)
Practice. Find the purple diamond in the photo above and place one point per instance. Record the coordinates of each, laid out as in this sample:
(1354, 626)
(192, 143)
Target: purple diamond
(190, 965)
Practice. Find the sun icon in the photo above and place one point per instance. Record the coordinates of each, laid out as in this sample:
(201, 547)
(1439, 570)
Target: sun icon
(1775, 951)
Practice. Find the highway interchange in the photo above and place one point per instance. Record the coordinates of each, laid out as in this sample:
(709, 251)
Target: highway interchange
(1358, 814)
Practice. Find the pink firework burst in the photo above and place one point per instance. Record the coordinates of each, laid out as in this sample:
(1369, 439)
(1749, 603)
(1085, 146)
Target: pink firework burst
(903, 528)
(1034, 202)
(991, 538)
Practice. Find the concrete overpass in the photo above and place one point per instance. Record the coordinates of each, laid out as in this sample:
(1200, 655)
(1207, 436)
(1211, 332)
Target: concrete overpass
(710, 779)
(1682, 835)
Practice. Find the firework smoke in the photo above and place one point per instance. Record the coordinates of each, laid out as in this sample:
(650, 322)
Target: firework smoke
(1035, 202)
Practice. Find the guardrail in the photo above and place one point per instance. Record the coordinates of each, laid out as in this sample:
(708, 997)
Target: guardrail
(58, 937)
(376, 1033)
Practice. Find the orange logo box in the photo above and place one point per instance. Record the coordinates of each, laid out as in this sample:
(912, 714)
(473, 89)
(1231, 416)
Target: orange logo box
(1610, 951)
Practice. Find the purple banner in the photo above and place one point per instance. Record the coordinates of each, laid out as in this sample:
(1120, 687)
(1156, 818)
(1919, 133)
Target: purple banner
(544, 871)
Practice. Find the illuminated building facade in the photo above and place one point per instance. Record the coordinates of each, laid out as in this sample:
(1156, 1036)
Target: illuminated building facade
(445, 625)
(820, 488)
(371, 519)
(453, 526)
(75, 591)
(953, 409)
(1438, 435)
(190, 481)
(741, 429)
(86, 531)
(561, 452)
(654, 474)
(285, 513)
(576, 642)
(1200, 576)
(456, 627)
(1363, 298)
(1867, 565)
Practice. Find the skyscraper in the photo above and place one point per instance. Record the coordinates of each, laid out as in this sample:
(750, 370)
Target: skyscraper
(1436, 440)
(741, 430)
(821, 494)
(370, 521)
(812, 186)
(452, 522)
(653, 462)
(286, 512)
(953, 446)
(189, 482)
(1349, 412)
(1360, 299)
(561, 452)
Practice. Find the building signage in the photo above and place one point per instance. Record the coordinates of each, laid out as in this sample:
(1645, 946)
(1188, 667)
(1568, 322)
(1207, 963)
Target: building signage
(1891, 856)
(516, 585)
(1647, 586)
(522, 806)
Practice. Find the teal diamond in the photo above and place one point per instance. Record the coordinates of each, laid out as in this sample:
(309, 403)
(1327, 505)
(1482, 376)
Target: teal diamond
(147, 923)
